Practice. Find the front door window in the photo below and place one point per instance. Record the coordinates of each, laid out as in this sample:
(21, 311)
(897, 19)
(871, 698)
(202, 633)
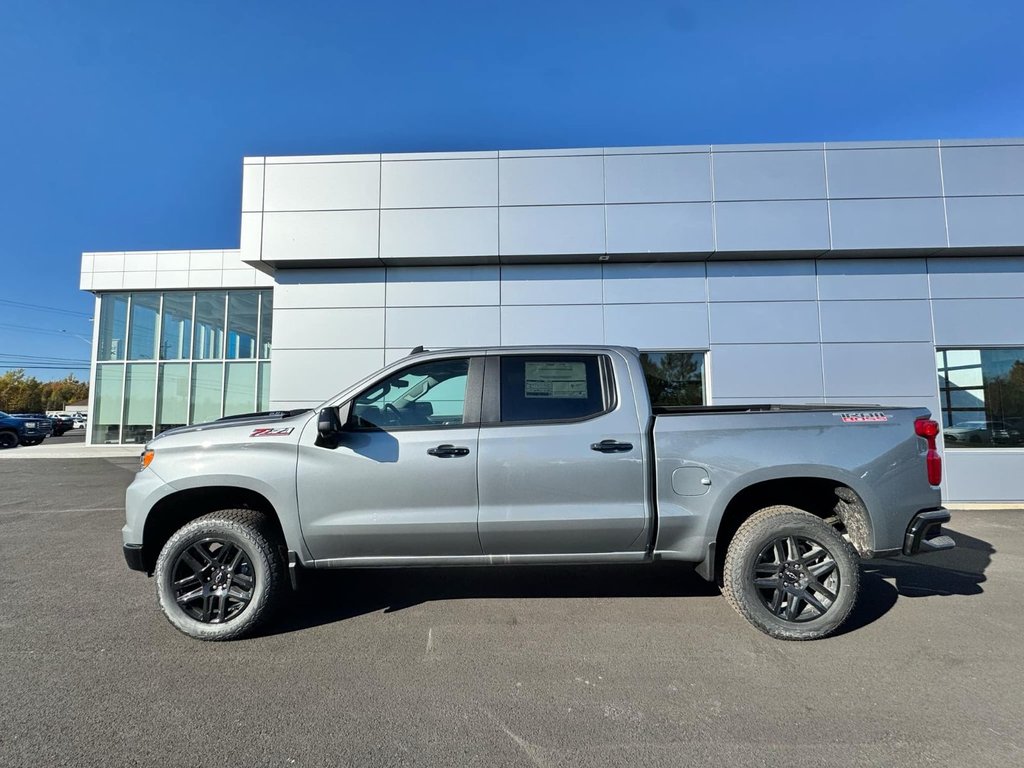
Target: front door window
(431, 394)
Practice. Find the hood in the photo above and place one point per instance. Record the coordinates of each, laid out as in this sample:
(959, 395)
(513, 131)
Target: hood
(242, 420)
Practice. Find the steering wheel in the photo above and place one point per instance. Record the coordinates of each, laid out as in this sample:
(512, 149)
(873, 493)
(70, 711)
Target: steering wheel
(390, 408)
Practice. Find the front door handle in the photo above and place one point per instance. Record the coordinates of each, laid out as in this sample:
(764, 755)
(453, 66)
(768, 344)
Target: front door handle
(447, 450)
(611, 446)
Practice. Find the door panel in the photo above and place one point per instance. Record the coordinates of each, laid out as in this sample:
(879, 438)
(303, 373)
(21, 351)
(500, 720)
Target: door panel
(543, 488)
(401, 479)
(380, 494)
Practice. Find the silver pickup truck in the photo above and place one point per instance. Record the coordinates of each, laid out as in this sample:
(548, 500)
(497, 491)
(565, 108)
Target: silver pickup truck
(533, 455)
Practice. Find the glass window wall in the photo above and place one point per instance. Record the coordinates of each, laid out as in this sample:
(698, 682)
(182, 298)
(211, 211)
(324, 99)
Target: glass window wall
(139, 401)
(113, 326)
(240, 388)
(263, 392)
(172, 397)
(674, 378)
(207, 382)
(982, 397)
(266, 324)
(176, 326)
(199, 330)
(105, 418)
(243, 316)
(209, 325)
(142, 333)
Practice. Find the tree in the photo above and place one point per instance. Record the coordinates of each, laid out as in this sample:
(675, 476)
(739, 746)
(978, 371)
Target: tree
(57, 394)
(26, 394)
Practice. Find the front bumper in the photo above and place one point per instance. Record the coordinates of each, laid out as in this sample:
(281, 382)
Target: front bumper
(133, 556)
(924, 534)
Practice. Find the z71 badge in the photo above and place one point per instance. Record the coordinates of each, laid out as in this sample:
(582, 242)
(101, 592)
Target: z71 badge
(271, 432)
(860, 418)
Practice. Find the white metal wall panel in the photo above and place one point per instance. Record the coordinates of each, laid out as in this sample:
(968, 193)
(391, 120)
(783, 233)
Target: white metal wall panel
(654, 283)
(323, 328)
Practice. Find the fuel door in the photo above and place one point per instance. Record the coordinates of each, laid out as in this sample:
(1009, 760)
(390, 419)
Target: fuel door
(691, 481)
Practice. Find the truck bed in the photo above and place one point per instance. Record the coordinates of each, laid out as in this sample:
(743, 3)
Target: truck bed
(682, 410)
(716, 451)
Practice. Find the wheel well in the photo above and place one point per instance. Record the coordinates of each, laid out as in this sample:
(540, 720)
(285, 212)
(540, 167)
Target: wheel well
(828, 499)
(174, 511)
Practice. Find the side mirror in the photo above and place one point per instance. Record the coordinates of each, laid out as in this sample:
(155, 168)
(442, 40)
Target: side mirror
(327, 426)
(330, 424)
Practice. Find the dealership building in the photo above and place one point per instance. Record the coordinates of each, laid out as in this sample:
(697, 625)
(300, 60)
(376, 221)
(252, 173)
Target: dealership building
(886, 273)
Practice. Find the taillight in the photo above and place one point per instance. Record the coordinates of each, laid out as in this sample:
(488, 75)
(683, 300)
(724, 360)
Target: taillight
(929, 430)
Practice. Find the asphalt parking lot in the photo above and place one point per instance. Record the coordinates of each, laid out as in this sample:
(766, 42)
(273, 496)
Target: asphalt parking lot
(528, 666)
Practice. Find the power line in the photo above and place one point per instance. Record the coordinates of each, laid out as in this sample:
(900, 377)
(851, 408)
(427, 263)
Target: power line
(33, 329)
(45, 367)
(41, 308)
(45, 358)
(14, 363)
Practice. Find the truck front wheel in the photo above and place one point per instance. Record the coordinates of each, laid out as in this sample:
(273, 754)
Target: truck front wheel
(790, 574)
(220, 577)
(8, 440)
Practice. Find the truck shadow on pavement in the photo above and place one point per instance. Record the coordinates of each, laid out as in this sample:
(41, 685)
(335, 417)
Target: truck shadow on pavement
(327, 597)
(957, 572)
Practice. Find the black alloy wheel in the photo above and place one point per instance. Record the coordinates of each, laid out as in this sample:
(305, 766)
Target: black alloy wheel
(213, 580)
(791, 574)
(8, 440)
(796, 578)
(222, 575)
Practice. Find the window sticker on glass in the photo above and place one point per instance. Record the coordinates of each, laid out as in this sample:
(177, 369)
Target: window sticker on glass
(566, 380)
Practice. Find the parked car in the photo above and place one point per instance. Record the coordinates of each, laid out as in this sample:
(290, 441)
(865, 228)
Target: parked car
(982, 432)
(61, 423)
(533, 455)
(26, 430)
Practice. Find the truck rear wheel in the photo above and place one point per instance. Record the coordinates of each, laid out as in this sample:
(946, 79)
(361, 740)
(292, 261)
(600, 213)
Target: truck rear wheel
(790, 574)
(220, 577)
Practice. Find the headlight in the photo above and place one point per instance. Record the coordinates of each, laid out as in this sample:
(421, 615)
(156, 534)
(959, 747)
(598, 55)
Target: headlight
(30, 424)
(146, 459)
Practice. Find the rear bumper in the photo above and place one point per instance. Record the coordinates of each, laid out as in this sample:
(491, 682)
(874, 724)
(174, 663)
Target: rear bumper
(924, 534)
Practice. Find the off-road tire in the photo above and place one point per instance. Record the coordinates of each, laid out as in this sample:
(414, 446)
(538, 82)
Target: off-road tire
(758, 533)
(8, 440)
(246, 530)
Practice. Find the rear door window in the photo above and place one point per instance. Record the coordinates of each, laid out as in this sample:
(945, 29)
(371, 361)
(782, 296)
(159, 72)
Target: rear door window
(552, 388)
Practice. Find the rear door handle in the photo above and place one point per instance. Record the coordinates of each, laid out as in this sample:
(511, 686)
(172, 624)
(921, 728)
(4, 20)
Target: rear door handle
(447, 450)
(611, 446)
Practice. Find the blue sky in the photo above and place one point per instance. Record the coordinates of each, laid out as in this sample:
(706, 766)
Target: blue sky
(123, 124)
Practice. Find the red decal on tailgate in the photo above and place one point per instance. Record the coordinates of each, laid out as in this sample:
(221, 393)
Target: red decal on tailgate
(860, 418)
